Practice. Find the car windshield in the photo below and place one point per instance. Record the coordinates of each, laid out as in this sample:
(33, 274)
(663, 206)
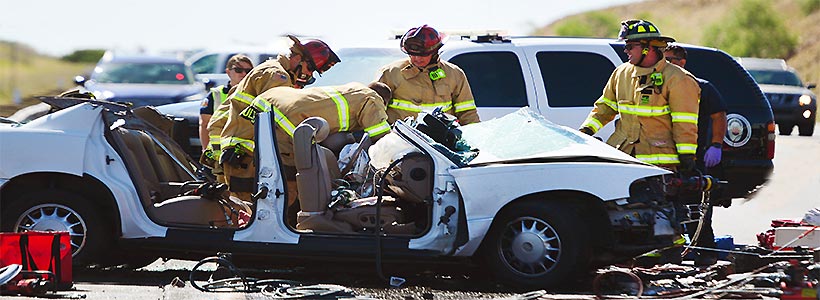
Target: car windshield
(776, 77)
(149, 73)
(359, 65)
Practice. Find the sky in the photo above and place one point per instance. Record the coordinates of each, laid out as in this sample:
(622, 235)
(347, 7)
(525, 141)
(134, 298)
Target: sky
(60, 27)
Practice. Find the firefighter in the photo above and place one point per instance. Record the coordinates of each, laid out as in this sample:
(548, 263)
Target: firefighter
(236, 133)
(236, 68)
(346, 108)
(423, 82)
(657, 103)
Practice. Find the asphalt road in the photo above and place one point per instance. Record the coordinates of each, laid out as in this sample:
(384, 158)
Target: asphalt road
(793, 189)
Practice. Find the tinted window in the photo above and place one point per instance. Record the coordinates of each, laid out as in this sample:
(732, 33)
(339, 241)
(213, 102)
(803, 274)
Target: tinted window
(495, 78)
(151, 73)
(733, 82)
(580, 87)
(205, 64)
(776, 77)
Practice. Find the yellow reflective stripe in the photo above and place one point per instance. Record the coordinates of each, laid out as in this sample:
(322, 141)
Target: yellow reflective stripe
(687, 148)
(237, 142)
(658, 159)
(342, 107)
(610, 103)
(377, 129)
(680, 241)
(465, 105)
(428, 107)
(644, 111)
(445, 106)
(219, 114)
(283, 122)
(679, 117)
(404, 105)
(261, 104)
(244, 97)
(214, 139)
(593, 124)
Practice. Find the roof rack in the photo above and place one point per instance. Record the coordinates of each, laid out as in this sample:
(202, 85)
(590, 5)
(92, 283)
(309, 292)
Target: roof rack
(478, 36)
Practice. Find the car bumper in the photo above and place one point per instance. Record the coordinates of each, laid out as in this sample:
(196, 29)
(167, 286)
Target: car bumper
(795, 115)
(744, 176)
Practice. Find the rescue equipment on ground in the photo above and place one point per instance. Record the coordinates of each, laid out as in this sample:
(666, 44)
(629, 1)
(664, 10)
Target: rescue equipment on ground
(44, 259)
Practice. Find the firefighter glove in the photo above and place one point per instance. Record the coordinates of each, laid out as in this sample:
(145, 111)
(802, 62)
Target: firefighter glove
(586, 130)
(687, 163)
(712, 156)
(231, 156)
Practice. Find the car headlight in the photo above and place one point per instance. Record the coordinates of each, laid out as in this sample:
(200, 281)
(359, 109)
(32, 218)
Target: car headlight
(804, 100)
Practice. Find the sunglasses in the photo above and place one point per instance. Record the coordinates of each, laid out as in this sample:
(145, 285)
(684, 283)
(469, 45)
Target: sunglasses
(672, 58)
(629, 47)
(241, 70)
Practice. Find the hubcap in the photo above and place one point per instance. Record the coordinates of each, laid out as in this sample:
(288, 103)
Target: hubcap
(530, 246)
(55, 217)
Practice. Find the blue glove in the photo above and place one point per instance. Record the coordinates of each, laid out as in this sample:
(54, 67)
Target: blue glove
(712, 156)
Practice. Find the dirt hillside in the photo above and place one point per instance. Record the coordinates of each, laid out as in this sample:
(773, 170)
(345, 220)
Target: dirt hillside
(687, 22)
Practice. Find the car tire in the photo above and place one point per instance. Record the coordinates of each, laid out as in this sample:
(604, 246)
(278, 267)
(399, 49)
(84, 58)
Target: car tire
(806, 129)
(58, 210)
(537, 245)
(785, 129)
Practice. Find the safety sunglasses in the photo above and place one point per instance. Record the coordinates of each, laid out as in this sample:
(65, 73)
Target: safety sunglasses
(672, 58)
(241, 70)
(629, 47)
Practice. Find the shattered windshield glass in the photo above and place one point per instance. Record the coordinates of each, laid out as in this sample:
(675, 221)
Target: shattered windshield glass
(520, 135)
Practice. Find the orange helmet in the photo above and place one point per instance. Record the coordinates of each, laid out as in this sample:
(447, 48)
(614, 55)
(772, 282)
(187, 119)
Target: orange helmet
(316, 53)
(421, 41)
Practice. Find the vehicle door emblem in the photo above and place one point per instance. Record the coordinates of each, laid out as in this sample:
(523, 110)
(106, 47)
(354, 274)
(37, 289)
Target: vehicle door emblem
(738, 130)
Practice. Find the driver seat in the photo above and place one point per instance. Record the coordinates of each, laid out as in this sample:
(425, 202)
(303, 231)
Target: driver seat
(313, 178)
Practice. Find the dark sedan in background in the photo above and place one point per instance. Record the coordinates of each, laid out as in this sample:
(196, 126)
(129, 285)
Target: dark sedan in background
(143, 80)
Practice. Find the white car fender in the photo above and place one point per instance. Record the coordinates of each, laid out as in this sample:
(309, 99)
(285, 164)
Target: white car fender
(487, 189)
(52, 143)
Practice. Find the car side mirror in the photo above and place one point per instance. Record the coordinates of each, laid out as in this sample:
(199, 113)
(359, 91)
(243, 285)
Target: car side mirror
(811, 86)
(79, 80)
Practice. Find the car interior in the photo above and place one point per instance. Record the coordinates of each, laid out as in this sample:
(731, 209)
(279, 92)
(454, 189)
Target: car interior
(173, 194)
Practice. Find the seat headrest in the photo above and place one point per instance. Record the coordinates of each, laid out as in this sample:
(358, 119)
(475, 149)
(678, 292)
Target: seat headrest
(321, 128)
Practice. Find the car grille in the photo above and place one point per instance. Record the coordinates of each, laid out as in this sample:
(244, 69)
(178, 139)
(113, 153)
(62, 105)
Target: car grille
(781, 99)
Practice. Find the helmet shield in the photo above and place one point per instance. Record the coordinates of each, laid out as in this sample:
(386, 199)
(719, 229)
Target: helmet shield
(421, 41)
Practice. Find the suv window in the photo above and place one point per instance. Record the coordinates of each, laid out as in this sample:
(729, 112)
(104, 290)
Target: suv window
(727, 76)
(571, 89)
(204, 64)
(495, 78)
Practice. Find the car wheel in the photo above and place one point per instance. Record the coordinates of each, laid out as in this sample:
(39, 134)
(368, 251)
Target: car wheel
(537, 245)
(56, 210)
(785, 129)
(806, 129)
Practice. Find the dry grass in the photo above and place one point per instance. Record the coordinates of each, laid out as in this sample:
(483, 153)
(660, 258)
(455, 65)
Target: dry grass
(32, 75)
(687, 21)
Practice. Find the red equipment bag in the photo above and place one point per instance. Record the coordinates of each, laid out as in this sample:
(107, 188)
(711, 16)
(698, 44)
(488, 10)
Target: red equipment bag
(39, 251)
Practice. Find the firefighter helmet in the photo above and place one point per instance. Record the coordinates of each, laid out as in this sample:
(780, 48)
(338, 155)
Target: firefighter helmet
(316, 53)
(637, 30)
(421, 41)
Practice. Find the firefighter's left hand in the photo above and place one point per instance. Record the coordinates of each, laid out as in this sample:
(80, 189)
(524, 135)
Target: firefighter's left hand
(687, 163)
(712, 156)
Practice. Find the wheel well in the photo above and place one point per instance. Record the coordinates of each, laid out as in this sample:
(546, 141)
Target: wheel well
(86, 186)
(590, 207)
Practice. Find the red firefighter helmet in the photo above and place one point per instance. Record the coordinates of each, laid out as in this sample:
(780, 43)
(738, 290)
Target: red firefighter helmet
(316, 53)
(421, 41)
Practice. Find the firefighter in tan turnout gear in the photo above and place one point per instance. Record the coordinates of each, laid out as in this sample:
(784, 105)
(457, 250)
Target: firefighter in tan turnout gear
(236, 132)
(346, 108)
(657, 103)
(423, 82)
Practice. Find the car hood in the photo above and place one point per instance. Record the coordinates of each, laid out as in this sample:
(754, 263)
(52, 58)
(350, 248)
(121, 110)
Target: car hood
(526, 136)
(784, 89)
(142, 91)
(187, 110)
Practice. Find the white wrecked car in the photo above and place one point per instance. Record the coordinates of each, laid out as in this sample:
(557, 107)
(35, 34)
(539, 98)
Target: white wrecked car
(535, 202)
